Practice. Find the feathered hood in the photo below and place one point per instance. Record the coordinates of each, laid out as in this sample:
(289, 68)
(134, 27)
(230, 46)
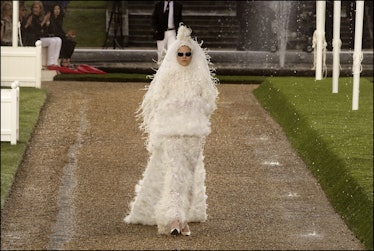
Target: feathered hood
(174, 83)
(200, 58)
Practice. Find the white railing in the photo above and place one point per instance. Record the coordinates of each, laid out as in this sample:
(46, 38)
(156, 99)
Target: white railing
(10, 114)
(23, 64)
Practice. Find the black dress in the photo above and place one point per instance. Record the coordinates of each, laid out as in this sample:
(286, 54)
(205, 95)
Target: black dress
(55, 29)
(33, 32)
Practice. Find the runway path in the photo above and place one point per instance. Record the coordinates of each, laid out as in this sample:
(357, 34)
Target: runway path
(87, 153)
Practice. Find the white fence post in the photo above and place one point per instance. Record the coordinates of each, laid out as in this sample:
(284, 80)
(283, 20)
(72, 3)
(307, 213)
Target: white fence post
(357, 54)
(38, 65)
(15, 24)
(10, 114)
(319, 39)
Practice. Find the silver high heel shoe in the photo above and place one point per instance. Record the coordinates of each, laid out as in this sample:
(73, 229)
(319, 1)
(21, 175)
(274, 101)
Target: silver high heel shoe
(175, 228)
(186, 230)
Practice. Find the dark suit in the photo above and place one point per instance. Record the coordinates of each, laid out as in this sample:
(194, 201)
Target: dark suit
(159, 23)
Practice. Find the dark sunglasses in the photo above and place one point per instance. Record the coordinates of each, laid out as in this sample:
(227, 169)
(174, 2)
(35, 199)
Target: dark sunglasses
(181, 54)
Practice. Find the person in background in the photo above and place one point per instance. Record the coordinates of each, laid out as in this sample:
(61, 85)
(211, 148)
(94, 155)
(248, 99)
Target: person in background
(176, 114)
(166, 17)
(22, 13)
(6, 24)
(34, 28)
(55, 28)
(21, 18)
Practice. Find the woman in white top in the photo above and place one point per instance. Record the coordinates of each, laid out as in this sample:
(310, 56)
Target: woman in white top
(6, 24)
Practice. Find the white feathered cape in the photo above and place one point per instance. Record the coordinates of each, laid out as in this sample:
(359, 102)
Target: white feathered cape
(176, 114)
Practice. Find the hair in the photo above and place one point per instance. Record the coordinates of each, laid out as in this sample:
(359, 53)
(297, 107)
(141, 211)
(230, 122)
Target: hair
(5, 7)
(22, 7)
(62, 11)
(40, 5)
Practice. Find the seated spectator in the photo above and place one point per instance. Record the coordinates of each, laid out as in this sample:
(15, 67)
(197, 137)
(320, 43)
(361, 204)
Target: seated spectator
(6, 24)
(21, 18)
(34, 28)
(55, 29)
(22, 13)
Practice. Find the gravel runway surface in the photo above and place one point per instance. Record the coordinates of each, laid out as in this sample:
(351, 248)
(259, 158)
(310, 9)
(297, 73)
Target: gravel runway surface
(87, 153)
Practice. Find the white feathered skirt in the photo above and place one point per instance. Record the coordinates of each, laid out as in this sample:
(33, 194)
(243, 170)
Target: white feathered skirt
(173, 184)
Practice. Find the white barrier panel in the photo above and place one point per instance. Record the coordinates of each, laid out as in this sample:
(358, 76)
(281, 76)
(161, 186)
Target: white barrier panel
(23, 64)
(10, 114)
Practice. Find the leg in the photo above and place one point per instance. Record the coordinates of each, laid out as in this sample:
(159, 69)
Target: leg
(57, 43)
(46, 42)
(67, 50)
(161, 47)
(171, 36)
(65, 62)
(54, 47)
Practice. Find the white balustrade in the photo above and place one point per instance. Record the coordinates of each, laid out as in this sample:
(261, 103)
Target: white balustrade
(10, 113)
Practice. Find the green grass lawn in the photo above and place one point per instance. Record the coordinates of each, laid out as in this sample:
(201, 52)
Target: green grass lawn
(31, 101)
(335, 142)
(87, 18)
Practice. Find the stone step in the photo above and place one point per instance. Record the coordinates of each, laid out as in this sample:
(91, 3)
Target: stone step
(214, 22)
(48, 75)
(226, 61)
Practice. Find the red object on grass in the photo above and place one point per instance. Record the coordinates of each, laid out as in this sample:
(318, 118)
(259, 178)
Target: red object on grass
(53, 67)
(63, 69)
(84, 68)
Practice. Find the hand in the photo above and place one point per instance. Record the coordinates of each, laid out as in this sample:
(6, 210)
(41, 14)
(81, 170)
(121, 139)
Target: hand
(46, 19)
(71, 34)
(28, 22)
(47, 16)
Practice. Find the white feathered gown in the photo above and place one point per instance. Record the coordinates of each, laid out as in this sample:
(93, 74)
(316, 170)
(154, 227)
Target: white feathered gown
(176, 111)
